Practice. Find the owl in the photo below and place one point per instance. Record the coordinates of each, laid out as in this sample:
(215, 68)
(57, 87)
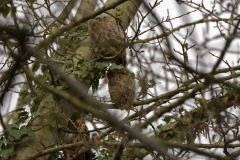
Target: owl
(76, 135)
(122, 89)
(108, 39)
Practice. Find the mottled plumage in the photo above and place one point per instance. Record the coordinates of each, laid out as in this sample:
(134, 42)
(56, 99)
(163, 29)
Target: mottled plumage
(74, 137)
(122, 89)
(108, 39)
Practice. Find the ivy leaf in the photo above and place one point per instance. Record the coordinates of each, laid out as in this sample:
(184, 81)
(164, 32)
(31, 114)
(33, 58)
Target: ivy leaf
(87, 64)
(143, 151)
(151, 84)
(44, 68)
(35, 114)
(80, 61)
(23, 114)
(67, 64)
(224, 99)
(62, 85)
(5, 10)
(35, 67)
(22, 117)
(6, 151)
(116, 67)
(88, 81)
(167, 119)
(181, 110)
(49, 104)
(74, 117)
(18, 133)
(16, 110)
(95, 85)
(101, 65)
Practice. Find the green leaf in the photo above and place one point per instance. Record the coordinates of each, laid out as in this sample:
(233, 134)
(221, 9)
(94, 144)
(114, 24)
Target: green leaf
(53, 124)
(224, 99)
(16, 110)
(95, 85)
(35, 114)
(80, 61)
(18, 133)
(10, 126)
(151, 84)
(181, 109)
(60, 87)
(101, 65)
(49, 104)
(87, 64)
(67, 64)
(6, 151)
(143, 151)
(185, 120)
(35, 67)
(62, 83)
(23, 114)
(160, 127)
(167, 119)
(44, 68)
(88, 81)
(75, 116)
(117, 67)
(22, 117)
(5, 10)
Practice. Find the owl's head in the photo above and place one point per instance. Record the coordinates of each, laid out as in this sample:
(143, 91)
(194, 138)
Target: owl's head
(103, 17)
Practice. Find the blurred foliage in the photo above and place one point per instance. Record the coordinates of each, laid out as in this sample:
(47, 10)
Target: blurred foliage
(198, 107)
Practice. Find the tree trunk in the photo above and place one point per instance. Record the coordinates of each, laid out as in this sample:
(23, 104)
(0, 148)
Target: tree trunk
(52, 109)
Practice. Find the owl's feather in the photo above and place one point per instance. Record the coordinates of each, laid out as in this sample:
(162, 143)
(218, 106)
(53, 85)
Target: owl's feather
(122, 89)
(108, 39)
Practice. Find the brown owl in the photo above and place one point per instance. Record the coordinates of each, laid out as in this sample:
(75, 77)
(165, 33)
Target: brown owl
(108, 39)
(76, 135)
(122, 89)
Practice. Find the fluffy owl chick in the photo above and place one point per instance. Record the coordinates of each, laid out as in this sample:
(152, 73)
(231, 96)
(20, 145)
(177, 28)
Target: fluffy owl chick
(74, 137)
(108, 39)
(122, 89)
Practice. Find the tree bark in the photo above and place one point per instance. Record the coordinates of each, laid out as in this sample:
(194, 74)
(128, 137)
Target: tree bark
(45, 126)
